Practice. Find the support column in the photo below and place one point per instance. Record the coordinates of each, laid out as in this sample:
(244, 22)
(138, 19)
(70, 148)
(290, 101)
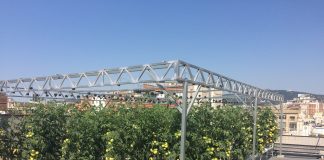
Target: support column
(254, 127)
(209, 97)
(281, 127)
(184, 120)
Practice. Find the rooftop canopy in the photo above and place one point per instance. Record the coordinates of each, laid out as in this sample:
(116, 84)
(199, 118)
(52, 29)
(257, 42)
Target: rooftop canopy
(130, 78)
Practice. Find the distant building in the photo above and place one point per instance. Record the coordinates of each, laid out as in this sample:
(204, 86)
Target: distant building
(3, 102)
(215, 96)
(169, 87)
(302, 115)
(204, 95)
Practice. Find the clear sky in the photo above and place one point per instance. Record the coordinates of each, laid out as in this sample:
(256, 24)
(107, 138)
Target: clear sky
(277, 44)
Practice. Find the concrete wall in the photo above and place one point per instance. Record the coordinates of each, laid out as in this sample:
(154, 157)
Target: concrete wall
(302, 140)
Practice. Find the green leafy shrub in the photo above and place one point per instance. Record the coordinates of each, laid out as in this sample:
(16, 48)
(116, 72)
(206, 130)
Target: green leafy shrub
(267, 129)
(219, 133)
(65, 132)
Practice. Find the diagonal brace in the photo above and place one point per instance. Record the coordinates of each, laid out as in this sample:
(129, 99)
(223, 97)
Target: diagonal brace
(167, 94)
(193, 98)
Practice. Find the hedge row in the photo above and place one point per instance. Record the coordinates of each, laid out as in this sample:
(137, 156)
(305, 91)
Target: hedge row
(64, 132)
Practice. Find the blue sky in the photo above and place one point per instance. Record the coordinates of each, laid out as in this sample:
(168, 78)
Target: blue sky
(270, 44)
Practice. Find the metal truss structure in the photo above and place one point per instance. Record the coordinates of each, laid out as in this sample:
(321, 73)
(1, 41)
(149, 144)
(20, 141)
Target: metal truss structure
(107, 81)
(164, 72)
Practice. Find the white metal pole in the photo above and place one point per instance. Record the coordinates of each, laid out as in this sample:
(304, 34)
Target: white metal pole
(209, 97)
(281, 127)
(254, 127)
(184, 120)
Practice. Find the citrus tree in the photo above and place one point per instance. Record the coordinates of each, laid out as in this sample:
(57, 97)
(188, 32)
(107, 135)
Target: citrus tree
(219, 133)
(57, 131)
(267, 129)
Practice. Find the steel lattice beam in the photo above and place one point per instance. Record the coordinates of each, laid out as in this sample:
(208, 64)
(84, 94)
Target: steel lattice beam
(169, 71)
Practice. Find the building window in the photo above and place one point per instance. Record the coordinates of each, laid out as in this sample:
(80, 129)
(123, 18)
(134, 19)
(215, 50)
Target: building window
(283, 116)
(292, 118)
(293, 126)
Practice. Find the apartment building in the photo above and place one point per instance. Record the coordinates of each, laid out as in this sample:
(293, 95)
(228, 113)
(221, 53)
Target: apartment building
(302, 115)
(3, 102)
